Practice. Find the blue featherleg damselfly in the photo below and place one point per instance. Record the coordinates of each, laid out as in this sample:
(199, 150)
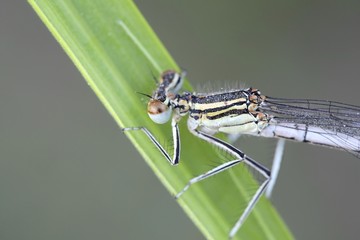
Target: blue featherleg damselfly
(247, 111)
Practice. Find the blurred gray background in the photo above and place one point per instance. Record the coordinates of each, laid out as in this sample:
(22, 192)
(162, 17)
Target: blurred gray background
(55, 182)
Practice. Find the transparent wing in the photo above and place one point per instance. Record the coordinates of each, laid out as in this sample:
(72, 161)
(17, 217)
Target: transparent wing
(338, 122)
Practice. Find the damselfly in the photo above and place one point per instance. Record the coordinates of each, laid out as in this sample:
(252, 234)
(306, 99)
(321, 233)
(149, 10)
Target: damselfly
(247, 111)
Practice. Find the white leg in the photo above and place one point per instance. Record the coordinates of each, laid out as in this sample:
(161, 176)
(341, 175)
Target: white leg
(240, 157)
(176, 138)
(279, 151)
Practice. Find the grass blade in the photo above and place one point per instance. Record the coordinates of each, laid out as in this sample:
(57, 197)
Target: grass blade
(117, 52)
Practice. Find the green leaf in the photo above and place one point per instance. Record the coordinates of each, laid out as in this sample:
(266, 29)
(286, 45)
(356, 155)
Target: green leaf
(117, 52)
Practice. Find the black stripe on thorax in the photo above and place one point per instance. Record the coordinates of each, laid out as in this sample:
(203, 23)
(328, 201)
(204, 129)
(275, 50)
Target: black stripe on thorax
(220, 97)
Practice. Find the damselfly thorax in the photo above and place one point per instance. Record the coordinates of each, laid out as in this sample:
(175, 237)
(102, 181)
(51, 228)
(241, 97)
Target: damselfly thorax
(236, 111)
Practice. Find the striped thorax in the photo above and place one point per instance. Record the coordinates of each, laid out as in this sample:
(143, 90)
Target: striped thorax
(228, 112)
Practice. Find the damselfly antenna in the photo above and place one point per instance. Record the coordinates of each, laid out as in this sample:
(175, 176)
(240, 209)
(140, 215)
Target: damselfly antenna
(144, 94)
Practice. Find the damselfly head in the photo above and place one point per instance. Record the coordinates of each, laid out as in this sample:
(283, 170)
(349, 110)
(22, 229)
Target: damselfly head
(158, 111)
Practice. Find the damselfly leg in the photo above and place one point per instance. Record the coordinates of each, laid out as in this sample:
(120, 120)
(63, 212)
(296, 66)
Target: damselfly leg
(239, 157)
(276, 164)
(176, 138)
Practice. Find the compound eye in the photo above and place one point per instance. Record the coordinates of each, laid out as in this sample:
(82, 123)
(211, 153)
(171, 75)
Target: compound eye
(172, 81)
(158, 111)
(167, 76)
